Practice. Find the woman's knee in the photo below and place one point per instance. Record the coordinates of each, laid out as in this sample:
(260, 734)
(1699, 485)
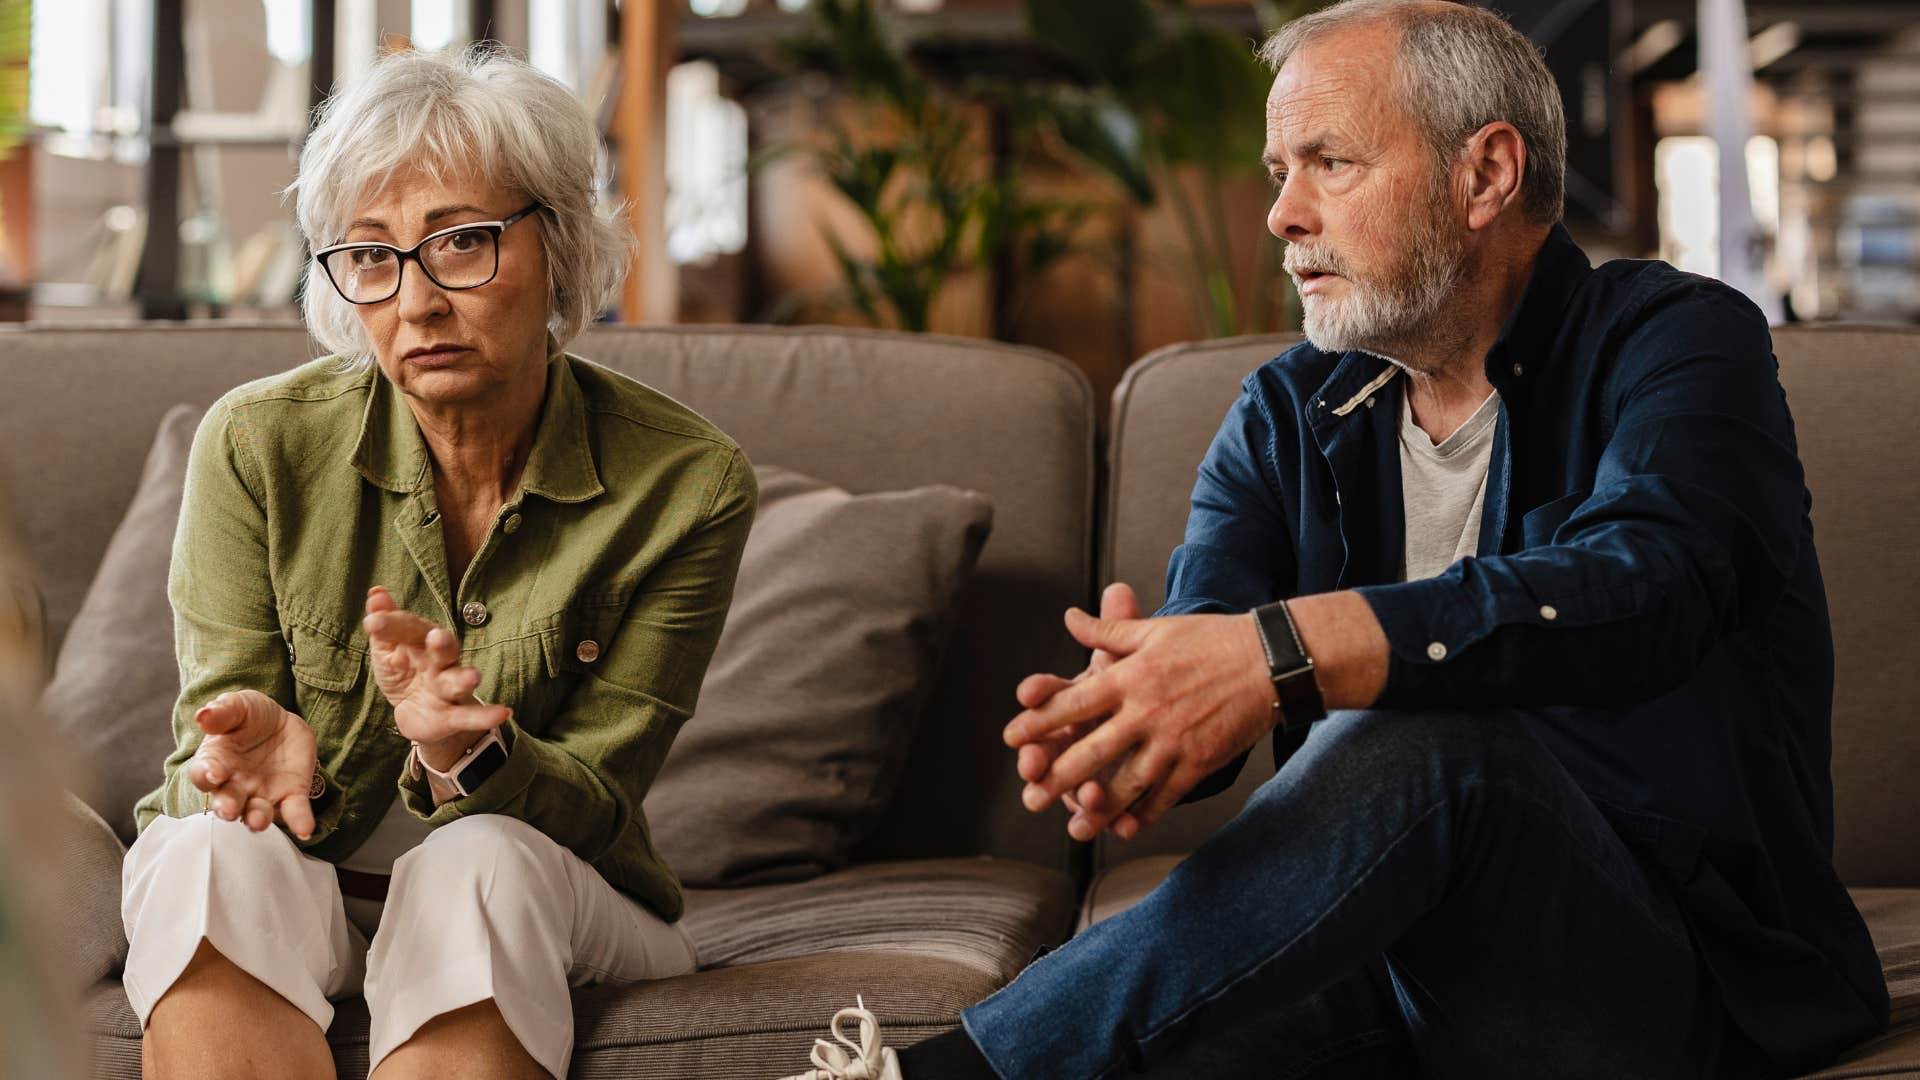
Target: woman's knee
(209, 850)
(212, 836)
(479, 853)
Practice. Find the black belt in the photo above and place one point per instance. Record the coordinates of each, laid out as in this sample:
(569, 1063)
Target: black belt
(362, 886)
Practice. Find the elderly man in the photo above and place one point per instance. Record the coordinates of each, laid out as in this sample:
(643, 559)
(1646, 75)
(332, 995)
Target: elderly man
(1538, 531)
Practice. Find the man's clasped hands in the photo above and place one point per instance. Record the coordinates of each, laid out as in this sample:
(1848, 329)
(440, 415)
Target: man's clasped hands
(1163, 704)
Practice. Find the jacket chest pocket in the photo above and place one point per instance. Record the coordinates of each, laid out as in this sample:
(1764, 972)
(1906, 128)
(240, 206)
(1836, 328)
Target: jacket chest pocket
(537, 674)
(580, 638)
(326, 672)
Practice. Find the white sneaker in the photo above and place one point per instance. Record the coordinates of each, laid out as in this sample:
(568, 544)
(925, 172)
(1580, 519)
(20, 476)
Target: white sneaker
(864, 1060)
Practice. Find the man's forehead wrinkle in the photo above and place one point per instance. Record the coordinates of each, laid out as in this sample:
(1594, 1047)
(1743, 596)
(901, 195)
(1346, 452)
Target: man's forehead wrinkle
(1322, 96)
(1327, 115)
(1358, 60)
(1334, 90)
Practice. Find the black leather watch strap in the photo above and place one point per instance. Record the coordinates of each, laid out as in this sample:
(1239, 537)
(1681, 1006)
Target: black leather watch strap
(1295, 692)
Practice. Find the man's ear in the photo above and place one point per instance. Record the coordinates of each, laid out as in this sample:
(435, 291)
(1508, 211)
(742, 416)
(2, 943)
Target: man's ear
(1495, 162)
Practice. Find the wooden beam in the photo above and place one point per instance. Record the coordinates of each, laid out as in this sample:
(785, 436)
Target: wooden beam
(320, 30)
(16, 232)
(160, 260)
(480, 20)
(647, 51)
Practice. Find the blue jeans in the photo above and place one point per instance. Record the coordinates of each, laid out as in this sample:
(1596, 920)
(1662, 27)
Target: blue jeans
(1412, 894)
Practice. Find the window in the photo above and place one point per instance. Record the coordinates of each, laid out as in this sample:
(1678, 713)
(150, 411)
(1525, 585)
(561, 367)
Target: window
(706, 166)
(1686, 170)
(68, 95)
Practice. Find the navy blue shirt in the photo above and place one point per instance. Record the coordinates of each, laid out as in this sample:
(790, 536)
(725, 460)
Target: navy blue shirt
(1645, 587)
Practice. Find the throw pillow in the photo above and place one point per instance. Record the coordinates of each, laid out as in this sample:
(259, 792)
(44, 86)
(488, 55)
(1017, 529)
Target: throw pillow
(93, 939)
(115, 682)
(839, 615)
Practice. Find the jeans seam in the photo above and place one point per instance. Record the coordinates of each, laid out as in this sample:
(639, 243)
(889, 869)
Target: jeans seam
(1223, 988)
(1580, 852)
(1548, 811)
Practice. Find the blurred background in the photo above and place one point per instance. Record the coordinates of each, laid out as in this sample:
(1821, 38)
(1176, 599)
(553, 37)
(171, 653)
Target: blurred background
(1080, 175)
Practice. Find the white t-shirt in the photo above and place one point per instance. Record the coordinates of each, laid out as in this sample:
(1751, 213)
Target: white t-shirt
(1443, 488)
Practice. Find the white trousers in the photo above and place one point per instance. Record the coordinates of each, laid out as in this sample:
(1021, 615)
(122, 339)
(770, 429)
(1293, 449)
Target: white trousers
(486, 907)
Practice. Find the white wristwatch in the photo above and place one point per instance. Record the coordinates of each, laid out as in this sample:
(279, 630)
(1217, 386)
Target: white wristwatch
(470, 770)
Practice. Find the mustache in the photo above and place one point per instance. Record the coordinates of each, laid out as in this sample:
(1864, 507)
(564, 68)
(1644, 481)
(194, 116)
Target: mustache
(1302, 259)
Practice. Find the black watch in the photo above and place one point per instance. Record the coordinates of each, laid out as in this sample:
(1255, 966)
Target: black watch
(1296, 694)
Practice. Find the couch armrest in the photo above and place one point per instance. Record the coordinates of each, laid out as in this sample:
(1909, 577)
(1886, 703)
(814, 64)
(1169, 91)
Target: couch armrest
(92, 937)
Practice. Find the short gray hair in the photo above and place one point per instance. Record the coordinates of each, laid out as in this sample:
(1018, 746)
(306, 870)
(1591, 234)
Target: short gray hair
(1461, 68)
(482, 109)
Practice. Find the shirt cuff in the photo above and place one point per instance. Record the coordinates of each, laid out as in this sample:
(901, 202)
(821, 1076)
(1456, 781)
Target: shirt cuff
(1428, 633)
(326, 807)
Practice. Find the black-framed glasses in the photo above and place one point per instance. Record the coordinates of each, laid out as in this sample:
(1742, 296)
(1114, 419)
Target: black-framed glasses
(459, 257)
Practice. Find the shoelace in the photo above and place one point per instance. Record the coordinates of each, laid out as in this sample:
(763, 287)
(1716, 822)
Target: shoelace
(850, 1060)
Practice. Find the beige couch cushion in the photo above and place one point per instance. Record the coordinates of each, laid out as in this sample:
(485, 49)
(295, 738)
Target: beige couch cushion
(1854, 392)
(1893, 917)
(919, 940)
(840, 612)
(93, 941)
(1165, 413)
(1119, 888)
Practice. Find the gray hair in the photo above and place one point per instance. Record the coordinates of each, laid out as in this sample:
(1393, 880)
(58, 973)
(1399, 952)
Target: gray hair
(484, 110)
(1461, 68)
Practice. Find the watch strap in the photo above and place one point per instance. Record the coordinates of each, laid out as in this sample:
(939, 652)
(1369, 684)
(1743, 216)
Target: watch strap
(469, 771)
(1295, 690)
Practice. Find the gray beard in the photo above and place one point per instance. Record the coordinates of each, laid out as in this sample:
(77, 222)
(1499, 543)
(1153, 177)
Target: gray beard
(1388, 323)
(1397, 318)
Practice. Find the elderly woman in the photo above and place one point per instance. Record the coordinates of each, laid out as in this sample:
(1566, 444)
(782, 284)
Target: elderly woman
(442, 602)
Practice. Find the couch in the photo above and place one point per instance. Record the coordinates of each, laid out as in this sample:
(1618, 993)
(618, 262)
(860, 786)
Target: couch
(958, 887)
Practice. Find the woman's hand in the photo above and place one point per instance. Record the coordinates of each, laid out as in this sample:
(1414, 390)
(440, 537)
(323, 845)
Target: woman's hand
(416, 664)
(257, 759)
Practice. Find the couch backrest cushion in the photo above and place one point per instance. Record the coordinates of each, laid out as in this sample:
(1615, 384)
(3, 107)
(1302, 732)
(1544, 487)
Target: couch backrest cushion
(867, 411)
(1854, 392)
(1165, 412)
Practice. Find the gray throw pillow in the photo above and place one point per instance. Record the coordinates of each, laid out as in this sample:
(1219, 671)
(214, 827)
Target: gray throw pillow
(93, 939)
(839, 615)
(115, 682)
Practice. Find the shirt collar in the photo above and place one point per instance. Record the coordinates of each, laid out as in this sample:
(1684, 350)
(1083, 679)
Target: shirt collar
(1527, 336)
(561, 465)
(392, 454)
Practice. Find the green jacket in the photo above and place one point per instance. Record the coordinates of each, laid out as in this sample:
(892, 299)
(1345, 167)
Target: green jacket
(600, 593)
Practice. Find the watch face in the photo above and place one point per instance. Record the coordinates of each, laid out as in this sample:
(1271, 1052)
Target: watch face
(484, 764)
